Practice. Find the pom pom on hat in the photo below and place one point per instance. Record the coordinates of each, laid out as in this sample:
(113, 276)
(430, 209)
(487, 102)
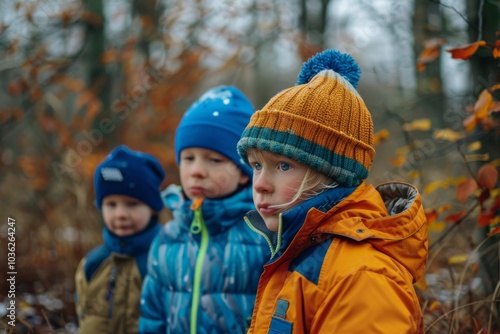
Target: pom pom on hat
(131, 173)
(321, 122)
(215, 122)
(342, 63)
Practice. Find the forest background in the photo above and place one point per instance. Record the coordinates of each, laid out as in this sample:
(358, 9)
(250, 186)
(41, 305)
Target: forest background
(81, 77)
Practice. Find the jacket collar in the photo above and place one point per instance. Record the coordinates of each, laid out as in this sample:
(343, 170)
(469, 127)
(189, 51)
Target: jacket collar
(390, 217)
(134, 244)
(218, 214)
(293, 221)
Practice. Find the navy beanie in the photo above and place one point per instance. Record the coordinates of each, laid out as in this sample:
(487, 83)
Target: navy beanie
(130, 173)
(215, 122)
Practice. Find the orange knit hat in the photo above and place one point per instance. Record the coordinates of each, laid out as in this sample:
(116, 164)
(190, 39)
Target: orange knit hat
(321, 121)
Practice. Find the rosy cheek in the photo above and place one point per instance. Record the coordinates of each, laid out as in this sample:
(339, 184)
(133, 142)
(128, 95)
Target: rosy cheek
(290, 191)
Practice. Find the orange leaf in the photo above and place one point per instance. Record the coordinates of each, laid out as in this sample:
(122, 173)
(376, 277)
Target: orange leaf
(423, 124)
(487, 176)
(431, 215)
(458, 259)
(474, 146)
(484, 218)
(496, 53)
(448, 134)
(455, 217)
(465, 189)
(399, 161)
(380, 136)
(14, 88)
(470, 123)
(443, 208)
(429, 53)
(483, 104)
(434, 306)
(495, 231)
(466, 51)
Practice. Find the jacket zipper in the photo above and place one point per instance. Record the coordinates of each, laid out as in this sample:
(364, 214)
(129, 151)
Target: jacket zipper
(198, 227)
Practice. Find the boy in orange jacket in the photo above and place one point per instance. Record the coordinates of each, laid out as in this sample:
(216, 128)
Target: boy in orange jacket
(345, 255)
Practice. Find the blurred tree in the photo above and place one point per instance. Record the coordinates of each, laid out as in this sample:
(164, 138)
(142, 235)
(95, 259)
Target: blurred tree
(484, 24)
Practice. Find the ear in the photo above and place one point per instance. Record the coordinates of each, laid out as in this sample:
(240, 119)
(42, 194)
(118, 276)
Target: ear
(244, 178)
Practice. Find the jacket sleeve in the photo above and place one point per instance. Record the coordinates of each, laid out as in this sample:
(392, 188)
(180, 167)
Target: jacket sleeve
(152, 318)
(369, 302)
(81, 288)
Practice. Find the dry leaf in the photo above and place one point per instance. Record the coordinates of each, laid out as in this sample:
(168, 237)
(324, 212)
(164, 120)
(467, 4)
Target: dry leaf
(398, 161)
(448, 134)
(466, 51)
(470, 123)
(477, 157)
(465, 189)
(458, 259)
(495, 231)
(380, 136)
(487, 176)
(423, 124)
(483, 103)
(474, 146)
(431, 215)
(430, 52)
(455, 217)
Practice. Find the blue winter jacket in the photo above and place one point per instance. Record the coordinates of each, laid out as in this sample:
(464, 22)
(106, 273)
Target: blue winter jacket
(203, 268)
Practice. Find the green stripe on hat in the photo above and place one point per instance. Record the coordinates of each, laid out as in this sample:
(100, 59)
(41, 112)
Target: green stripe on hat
(344, 170)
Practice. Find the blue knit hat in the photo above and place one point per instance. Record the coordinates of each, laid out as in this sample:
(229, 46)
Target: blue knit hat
(130, 173)
(215, 122)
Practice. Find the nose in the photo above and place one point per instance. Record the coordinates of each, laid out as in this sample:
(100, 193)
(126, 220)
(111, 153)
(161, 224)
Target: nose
(262, 184)
(197, 169)
(121, 211)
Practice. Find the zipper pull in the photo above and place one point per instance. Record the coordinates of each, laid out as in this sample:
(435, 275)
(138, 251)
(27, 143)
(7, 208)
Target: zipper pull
(196, 226)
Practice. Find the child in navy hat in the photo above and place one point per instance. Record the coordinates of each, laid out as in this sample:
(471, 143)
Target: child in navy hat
(108, 280)
(204, 267)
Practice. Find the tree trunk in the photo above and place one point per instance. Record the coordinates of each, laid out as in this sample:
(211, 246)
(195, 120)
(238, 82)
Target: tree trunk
(485, 73)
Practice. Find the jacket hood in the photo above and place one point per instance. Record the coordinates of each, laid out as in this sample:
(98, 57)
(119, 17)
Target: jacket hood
(390, 217)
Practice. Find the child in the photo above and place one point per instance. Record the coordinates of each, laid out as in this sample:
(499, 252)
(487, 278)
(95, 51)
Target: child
(204, 267)
(345, 255)
(109, 278)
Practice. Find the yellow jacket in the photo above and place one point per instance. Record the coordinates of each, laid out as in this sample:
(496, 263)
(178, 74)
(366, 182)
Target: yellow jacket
(345, 263)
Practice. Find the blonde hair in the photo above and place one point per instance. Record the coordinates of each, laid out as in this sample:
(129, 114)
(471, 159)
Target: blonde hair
(313, 183)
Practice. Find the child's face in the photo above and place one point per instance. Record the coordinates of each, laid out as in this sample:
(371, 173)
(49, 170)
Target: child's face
(208, 174)
(276, 180)
(125, 215)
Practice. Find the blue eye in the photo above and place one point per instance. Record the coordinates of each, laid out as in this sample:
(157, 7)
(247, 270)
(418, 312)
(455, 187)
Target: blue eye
(284, 166)
(256, 166)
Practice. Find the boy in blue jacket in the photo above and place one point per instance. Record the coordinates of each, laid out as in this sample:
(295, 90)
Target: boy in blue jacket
(204, 266)
(109, 279)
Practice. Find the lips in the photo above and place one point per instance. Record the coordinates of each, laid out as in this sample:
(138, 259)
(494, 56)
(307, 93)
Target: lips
(264, 209)
(197, 191)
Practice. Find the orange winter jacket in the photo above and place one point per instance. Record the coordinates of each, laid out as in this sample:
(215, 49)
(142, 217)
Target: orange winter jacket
(345, 262)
